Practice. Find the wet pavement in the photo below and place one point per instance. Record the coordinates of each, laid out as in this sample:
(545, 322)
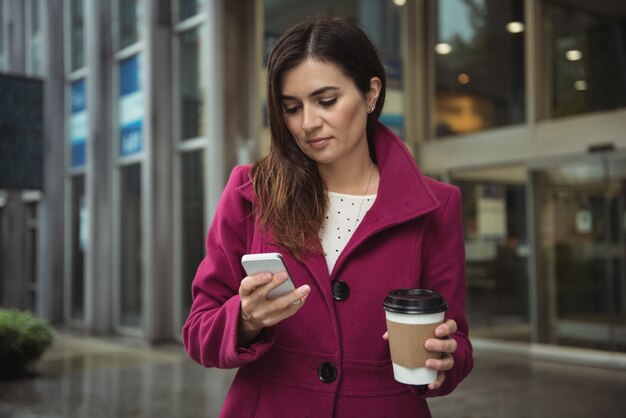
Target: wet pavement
(82, 376)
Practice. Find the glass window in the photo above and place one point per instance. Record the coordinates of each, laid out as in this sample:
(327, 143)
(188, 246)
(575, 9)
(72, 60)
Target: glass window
(382, 20)
(131, 248)
(34, 39)
(191, 88)
(188, 8)
(192, 186)
(77, 35)
(479, 65)
(587, 53)
(35, 13)
(78, 125)
(1, 35)
(494, 221)
(129, 17)
(79, 244)
(31, 254)
(131, 106)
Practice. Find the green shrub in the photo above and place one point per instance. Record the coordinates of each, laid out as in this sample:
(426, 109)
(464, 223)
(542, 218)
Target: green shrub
(23, 339)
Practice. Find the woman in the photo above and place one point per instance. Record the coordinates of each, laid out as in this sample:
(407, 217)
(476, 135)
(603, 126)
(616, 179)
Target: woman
(342, 199)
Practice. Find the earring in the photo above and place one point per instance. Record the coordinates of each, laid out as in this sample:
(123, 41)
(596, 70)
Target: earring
(370, 109)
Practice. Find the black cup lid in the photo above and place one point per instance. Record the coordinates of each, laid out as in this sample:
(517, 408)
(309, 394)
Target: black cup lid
(415, 301)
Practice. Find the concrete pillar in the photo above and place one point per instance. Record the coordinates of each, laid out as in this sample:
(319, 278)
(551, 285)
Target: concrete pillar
(98, 170)
(50, 282)
(243, 54)
(158, 241)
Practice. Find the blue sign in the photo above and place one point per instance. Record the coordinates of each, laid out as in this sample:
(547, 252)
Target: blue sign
(393, 121)
(78, 122)
(131, 107)
(393, 68)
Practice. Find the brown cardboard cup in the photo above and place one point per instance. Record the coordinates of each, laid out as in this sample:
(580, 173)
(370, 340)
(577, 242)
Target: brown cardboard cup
(412, 316)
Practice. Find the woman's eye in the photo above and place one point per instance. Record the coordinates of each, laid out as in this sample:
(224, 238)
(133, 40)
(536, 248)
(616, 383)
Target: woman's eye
(291, 110)
(329, 102)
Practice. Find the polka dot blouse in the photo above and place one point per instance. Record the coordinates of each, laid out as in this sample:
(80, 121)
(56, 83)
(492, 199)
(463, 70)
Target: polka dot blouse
(342, 219)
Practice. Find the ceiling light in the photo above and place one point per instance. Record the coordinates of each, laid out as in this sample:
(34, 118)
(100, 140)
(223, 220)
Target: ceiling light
(573, 55)
(399, 2)
(463, 78)
(580, 85)
(443, 48)
(515, 27)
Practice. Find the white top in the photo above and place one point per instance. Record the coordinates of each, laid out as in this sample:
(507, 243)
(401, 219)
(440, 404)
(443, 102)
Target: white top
(342, 219)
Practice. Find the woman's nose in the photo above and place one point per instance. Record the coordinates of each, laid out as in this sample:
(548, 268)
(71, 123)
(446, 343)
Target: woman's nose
(310, 118)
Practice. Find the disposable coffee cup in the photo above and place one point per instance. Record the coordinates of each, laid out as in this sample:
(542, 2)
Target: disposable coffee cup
(412, 316)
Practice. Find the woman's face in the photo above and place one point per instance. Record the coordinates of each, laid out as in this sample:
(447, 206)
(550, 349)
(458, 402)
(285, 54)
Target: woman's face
(326, 113)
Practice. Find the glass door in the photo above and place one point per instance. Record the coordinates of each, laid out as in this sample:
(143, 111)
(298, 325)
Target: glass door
(496, 247)
(581, 233)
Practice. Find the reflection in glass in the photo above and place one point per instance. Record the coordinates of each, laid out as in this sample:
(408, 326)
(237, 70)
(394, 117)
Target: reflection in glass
(383, 22)
(191, 88)
(188, 8)
(129, 15)
(35, 14)
(77, 34)
(34, 40)
(494, 220)
(587, 59)
(581, 209)
(479, 59)
(131, 248)
(79, 244)
(192, 251)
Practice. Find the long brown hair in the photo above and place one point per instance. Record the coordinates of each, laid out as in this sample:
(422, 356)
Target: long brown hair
(289, 188)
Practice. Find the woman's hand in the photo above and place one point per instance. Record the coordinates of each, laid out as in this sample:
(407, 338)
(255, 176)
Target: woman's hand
(443, 344)
(258, 312)
(446, 346)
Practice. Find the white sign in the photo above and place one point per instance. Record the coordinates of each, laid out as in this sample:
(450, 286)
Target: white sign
(491, 217)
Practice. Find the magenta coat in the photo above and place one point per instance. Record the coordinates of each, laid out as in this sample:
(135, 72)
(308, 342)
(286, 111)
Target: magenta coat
(329, 359)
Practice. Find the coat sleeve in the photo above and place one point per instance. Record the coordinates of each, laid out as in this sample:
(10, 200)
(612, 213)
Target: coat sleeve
(210, 331)
(444, 271)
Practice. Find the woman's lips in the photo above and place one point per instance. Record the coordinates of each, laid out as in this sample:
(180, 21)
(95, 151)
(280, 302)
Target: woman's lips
(318, 143)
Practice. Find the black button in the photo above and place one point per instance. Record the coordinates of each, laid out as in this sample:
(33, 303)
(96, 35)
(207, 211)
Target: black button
(341, 290)
(327, 372)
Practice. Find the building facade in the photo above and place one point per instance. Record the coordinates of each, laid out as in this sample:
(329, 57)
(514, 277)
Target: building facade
(149, 104)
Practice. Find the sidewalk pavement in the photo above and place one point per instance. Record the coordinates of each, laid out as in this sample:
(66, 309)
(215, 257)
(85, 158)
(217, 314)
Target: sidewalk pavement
(83, 376)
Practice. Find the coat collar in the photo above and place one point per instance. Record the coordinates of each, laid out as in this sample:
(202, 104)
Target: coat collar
(399, 176)
(403, 194)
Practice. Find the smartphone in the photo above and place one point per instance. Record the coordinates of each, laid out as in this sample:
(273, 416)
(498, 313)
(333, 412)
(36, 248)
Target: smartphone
(268, 263)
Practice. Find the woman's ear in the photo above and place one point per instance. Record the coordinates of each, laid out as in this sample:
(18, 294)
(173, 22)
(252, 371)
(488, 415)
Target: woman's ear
(374, 92)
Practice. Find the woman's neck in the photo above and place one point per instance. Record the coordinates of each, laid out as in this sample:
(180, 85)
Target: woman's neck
(358, 179)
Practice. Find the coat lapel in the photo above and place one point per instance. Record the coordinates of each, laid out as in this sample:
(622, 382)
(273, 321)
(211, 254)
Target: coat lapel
(314, 262)
(403, 193)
